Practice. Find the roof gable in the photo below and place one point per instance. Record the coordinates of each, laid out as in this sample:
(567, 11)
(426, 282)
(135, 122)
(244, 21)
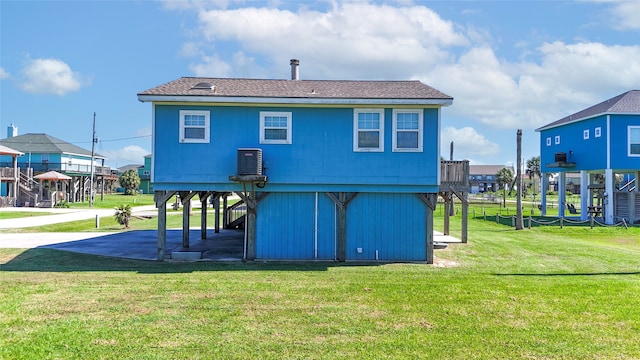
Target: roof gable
(45, 144)
(221, 88)
(625, 103)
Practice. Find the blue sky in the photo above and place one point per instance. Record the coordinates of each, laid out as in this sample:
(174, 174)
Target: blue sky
(508, 65)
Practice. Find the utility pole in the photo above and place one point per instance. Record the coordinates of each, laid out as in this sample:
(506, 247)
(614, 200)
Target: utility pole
(519, 220)
(93, 147)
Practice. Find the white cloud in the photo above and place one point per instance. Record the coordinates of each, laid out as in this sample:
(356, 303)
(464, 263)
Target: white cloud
(528, 94)
(468, 143)
(127, 155)
(350, 40)
(3, 74)
(627, 14)
(359, 40)
(143, 132)
(50, 76)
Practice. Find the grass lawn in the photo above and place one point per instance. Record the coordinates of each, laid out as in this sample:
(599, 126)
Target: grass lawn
(109, 224)
(20, 214)
(544, 293)
(112, 200)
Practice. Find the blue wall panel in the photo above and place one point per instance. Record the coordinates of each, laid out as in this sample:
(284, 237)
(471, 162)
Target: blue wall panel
(620, 158)
(591, 153)
(286, 227)
(393, 224)
(588, 154)
(321, 152)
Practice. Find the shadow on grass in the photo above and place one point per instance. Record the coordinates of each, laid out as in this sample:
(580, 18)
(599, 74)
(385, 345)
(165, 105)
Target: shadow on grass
(52, 260)
(574, 274)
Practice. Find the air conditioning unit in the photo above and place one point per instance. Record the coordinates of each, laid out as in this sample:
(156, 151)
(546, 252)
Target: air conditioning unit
(560, 157)
(249, 161)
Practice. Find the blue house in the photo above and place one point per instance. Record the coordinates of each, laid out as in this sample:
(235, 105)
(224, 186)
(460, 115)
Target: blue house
(43, 153)
(602, 144)
(328, 170)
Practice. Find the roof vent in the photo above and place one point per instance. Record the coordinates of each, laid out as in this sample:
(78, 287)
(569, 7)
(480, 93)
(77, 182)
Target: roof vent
(204, 86)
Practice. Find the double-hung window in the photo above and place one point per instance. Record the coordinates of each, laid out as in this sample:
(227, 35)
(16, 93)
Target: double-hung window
(275, 127)
(407, 130)
(368, 130)
(194, 126)
(634, 140)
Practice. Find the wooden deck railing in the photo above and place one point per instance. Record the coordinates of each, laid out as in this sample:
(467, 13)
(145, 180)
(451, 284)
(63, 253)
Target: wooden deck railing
(454, 173)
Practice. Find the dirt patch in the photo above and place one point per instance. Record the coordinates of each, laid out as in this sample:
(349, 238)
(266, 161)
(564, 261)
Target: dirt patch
(444, 263)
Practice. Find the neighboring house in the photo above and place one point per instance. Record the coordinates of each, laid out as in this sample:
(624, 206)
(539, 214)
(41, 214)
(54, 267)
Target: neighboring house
(9, 176)
(43, 153)
(602, 143)
(344, 170)
(483, 178)
(144, 173)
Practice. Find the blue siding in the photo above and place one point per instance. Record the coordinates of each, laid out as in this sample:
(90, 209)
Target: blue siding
(285, 227)
(393, 224)
(321, 155)
(620, 158)
(588, 154)
(591, 154)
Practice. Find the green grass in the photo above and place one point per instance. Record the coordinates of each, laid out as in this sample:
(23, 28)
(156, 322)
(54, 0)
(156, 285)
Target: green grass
(109, 224)
(112, 200)
(20, 214)
(544, 293)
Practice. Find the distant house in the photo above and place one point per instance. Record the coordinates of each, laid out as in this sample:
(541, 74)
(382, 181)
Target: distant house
(9, 176)
(328, 170)
(483, 178)
(43, 153)
(144, 173)
(602, 144)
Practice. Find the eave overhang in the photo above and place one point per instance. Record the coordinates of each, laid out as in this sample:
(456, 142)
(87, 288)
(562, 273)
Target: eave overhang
(294, 101)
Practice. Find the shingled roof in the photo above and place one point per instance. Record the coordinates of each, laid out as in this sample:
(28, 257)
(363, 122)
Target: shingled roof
(44, 144)
(218, 89)
(625, 103)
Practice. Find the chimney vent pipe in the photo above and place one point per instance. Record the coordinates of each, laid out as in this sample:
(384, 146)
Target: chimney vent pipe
(295, 75)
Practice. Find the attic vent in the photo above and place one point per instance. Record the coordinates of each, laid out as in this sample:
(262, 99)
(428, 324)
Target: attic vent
(204, 86)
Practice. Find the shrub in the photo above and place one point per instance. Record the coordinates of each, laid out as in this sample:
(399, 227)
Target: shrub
(123, 215)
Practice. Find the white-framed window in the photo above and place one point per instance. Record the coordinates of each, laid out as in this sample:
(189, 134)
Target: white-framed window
(548, 141)
(557, 142)
(585, 134)
(597, 132)
(634, 140)
(194, 126)
(275, 127)
(368, 130)
(407, 130)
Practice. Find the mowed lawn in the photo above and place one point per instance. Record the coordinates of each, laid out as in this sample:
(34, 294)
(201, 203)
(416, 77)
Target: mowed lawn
(544, 293)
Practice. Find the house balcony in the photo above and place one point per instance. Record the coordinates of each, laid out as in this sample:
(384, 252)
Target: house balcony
(454, 175)
(7, 174)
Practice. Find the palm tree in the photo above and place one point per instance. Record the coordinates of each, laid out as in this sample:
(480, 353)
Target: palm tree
(533, 170)
(123, 215)
(504, 177)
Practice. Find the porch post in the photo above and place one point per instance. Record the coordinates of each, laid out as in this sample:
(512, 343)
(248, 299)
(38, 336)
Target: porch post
(584, 195)
(543, 194)
(562, 193)
(162, 229)
(16, 179)
(608, 201)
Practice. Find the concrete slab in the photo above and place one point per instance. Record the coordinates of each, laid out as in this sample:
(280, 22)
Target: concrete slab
(228, 245)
